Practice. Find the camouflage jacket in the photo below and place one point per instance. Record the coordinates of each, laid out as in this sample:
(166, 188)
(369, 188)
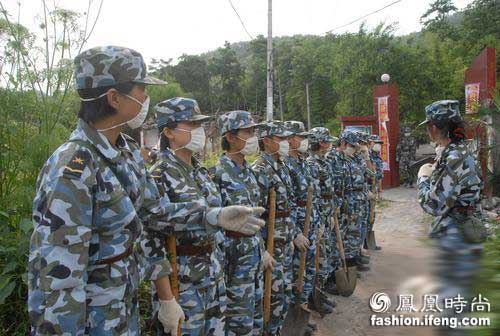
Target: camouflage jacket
(357, 189)
(188, 183)
(322, 173)
(406, 149)
(379, 165)
(301, 180)
(84, 214)
(269, 175)
(339, 174)
(238, 186)
(455, 182)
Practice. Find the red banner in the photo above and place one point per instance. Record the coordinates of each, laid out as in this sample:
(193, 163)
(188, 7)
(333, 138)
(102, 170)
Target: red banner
(383, 118)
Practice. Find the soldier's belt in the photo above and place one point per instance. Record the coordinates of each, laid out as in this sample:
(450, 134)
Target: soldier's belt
(116, 257)
(281, 242)
(236, 234)
(468, 210)
(356, 189)
(193, 250)
(338, 193)
(327, 196)
(280, 214)
(302, 203)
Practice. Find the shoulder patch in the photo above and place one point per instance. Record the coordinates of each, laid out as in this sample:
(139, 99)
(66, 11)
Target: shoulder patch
(75, 166)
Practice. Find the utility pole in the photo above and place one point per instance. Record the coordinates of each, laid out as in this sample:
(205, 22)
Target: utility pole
(308, 108)
(269, 107)
(280, 95)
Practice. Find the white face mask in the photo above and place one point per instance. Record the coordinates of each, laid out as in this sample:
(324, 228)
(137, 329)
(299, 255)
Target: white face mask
(350, 151)
(133, 123)
(304, 145)
(377, 147)
(284, 148)
(251, 146)
(197, 142)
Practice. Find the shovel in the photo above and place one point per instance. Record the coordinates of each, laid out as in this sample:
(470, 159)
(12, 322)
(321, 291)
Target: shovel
(174, 280)
(318, 296)
(298, 315)
(345, 278)
(268, 275)
(371, 243)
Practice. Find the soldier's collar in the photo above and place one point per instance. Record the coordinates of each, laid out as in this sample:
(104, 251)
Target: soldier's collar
(233, 164)
(170, 154)
(269, 158)
(102, 143)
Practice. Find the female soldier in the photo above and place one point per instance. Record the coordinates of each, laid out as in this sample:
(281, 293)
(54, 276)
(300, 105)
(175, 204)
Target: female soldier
(92, 195)
(179, 176)
(238, 185)
(450, 191)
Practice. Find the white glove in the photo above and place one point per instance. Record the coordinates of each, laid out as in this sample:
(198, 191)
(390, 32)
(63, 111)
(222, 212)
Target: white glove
(371, 196)
(241, 219)
(268, 261)
(301, 242)
(425, 170)
(292, 247)
(169, 315)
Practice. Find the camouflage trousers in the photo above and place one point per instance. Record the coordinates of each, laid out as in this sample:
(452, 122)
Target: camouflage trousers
(354, 222)
(456, 265)
(281, 291)
(365, 226)
(204, 309)
(117, 318)
(310, 270)
(244, 282)
(406, 173)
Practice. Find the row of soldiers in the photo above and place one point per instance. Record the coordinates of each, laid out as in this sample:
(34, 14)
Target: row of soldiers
(344, 172)
(103, 222)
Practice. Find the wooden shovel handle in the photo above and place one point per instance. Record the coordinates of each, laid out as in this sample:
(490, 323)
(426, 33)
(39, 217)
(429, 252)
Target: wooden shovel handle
(268, 275)
(174, 276)
(307, 224)
(340, 243)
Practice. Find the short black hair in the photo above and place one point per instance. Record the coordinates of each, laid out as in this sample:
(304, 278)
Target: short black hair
(164, 143)
(454, 130)
(224, 143)
(99, 109)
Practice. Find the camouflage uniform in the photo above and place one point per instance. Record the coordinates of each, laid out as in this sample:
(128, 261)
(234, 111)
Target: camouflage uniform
(243, 268)
(302, 179)
(368, 180)
(379, 167)
(323, 175)
(91, 199)
(451, 194)
(201, 277)
(405, 154)
(270, 174)
(355, 194)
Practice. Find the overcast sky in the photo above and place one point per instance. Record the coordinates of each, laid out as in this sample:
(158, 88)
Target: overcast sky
(170, 28)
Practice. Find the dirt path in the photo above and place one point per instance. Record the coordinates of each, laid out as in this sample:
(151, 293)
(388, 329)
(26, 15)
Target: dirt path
(403, 263)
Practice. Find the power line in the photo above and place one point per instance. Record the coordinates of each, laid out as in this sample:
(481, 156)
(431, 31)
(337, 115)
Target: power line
(364, 16)
(239, 18)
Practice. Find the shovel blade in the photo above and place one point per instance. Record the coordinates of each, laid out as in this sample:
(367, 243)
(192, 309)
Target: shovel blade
(346, 281)
(371, 242)
(296, 320)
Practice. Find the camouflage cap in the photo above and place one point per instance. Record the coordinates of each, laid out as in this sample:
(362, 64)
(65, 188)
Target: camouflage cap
(362, 136)
(235, 120)
(178, 109)
(375, 138)
(350, 137)
(319, 134)
(442, 112)
(110, 65)
(273, 128)
(297, 128)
